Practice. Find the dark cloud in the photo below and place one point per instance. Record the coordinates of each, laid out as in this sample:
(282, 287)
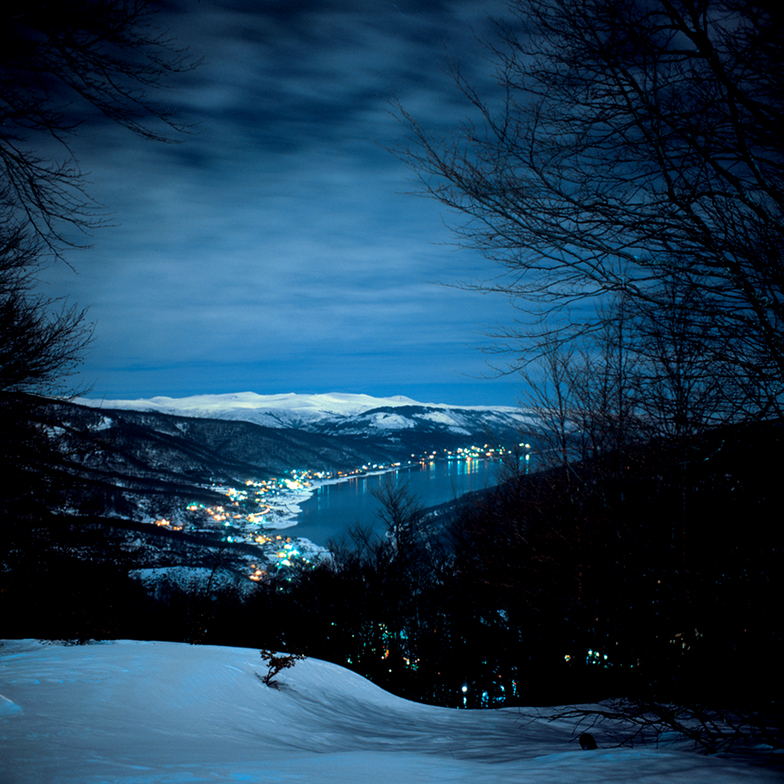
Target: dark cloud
(275, 248)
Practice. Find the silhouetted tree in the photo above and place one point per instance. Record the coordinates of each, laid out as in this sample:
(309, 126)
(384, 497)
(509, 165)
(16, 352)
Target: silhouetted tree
(40, 343)
(63, 63)
(634, 142)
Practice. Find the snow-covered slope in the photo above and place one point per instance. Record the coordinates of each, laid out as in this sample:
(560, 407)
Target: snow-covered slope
(287, 410)
(322, 412)
(164, 712)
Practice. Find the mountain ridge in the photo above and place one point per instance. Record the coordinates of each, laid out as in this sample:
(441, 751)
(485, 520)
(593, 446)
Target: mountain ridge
(326, 412)
(150, 465)
(129, 460)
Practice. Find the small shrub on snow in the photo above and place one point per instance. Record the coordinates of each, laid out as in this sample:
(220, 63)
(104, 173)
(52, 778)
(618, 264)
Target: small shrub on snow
(275, 663)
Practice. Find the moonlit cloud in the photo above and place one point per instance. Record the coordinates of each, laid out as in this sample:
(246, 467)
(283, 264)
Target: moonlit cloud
(276, 247)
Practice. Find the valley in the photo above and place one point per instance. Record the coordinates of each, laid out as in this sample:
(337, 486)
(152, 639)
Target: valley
(238, 486)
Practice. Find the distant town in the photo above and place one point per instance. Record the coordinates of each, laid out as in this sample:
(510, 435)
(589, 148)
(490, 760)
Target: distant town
(256, 512)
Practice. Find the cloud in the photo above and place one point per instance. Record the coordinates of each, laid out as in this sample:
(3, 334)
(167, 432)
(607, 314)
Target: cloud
(278, 240)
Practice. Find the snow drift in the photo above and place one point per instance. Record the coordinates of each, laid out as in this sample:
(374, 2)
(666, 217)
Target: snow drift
(146, 712)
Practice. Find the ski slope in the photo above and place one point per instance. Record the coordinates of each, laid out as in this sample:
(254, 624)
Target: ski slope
(144, 712)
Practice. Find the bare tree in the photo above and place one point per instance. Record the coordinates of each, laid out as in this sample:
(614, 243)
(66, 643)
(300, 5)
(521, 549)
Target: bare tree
(551, 396)
(41, 342)
(400, 512)
(685, 382)
(624, 722)
(63, 63)
(635, 142)
(586, 393)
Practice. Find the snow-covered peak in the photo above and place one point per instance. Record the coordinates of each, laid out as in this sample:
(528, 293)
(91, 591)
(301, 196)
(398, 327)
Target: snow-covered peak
(284, 410)
(340, 403)
(345, 403)
(408, 424)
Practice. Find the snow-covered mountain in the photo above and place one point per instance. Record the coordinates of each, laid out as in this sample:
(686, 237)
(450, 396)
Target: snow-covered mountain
(336, 413)
(286, 410)
(127, 459)
(152, 712)
(144, 459)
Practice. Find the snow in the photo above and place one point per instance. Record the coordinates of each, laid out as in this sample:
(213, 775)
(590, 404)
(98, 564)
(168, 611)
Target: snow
(104, 424)
(450, 420)
(168, 713)
(314, 412)
(384, 421)
(280, 410)
(306, 406)
(440, 417)
(187, 577)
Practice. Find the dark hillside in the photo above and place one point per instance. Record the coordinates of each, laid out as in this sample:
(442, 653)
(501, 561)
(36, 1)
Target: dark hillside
(116, 462)
(653, 570)
(664, 556)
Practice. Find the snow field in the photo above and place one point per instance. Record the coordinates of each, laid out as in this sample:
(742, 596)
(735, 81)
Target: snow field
(168, 713)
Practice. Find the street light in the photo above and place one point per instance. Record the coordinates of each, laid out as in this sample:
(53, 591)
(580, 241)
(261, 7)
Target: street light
(527, 448)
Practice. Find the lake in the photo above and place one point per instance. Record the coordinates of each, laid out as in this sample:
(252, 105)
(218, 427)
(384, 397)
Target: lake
(334, 508)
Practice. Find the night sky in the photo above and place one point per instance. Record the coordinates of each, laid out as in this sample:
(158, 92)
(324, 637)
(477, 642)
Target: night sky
(278, 246)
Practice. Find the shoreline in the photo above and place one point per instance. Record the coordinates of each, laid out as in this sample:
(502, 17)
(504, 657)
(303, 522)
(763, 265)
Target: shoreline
(299, 496)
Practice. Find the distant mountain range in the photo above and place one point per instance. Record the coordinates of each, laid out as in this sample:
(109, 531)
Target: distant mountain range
(393, 421)
(122, 465)
(139, 457)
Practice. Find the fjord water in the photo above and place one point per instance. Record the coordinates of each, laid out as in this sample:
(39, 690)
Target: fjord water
(335, 508)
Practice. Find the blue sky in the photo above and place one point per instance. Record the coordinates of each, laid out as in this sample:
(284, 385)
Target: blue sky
(278, 247)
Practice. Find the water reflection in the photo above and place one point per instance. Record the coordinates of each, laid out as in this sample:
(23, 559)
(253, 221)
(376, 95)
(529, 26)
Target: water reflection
(334, 508)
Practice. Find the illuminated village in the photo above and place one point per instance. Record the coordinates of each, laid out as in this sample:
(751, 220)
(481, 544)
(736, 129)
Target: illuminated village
(257, 512)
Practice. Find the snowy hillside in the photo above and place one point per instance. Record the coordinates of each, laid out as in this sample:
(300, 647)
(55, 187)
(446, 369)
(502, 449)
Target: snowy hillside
(323, 412)
(147, 712)
(288, 410)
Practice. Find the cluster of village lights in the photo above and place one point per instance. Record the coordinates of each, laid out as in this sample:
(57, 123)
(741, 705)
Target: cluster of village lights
(260, 500)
